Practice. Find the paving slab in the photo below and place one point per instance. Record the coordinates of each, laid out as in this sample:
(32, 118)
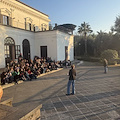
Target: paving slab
(97, 95)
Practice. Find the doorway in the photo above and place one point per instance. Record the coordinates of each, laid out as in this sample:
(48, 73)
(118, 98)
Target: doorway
(9, 47)
(43, 51)
(26, 49)
(66, 53)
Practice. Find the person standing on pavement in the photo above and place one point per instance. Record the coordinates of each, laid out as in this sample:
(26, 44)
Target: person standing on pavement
(72, 77)
(105, 63)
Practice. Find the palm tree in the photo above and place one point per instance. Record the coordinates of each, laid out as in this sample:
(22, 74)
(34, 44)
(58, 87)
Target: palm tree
(101, 32)
(85, 29)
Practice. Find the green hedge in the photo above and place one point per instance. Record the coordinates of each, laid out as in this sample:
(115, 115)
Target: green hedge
(90, 59)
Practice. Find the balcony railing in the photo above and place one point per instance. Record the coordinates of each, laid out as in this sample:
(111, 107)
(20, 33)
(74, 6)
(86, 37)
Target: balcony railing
(5, 20)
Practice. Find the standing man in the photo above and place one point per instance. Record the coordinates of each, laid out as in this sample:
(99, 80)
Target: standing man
(105, 63)
(72, 77)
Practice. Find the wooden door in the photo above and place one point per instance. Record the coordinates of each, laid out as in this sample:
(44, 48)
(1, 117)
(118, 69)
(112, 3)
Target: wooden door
(66, 53)
(26, 49)
(43, 51)
(9, 45)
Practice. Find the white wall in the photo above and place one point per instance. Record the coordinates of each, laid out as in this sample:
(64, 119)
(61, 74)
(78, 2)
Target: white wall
(47, 38)
(54, 40)
(63, 40)
(18, 36)
(2, 36)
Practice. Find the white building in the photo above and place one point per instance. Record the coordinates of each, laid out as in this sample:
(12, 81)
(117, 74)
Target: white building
(28, 33)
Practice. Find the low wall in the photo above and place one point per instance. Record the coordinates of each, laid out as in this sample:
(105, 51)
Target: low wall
(33, 115)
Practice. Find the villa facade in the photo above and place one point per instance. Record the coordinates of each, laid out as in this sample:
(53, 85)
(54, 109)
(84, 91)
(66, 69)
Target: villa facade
(25, 30)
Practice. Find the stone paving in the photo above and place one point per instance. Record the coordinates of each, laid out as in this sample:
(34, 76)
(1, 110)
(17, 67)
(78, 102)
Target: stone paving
(97, 95)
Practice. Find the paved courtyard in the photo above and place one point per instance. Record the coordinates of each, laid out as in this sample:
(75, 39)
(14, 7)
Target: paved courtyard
(97, 95)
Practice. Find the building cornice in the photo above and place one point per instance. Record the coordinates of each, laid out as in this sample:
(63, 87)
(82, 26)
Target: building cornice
(16, 28)
(16, 6)
(31, 7)
(53, 31)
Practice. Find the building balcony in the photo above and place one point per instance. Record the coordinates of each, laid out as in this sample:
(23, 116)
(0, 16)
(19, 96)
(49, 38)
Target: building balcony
(11, 22)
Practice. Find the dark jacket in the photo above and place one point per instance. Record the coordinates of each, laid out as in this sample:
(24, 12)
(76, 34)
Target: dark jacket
(72, 74)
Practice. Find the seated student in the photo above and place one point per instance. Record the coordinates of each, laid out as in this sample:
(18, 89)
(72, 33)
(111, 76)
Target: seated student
(27, 74)
(31, 75)
(34, 69)
(31, 67)
(60, 64)
(53, 66)
(20, 58)
(11, 63)
(9, 76)
(4, 78)
(35, 58)
(46, 69)
(69, 63)
(41, 69)
(22, 74)
(16, 75)
(56, 65)
(31, 62)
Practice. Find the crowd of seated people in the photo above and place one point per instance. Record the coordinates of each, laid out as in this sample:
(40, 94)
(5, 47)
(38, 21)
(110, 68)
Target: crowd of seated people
(23, 69)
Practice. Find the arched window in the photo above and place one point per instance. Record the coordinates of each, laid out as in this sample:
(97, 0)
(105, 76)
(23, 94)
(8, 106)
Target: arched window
(9, 41)
(9, 45)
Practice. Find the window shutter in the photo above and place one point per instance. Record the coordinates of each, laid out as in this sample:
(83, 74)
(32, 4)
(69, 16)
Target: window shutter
(17, 51)
(7, 20)
(34, 28)
(1, 18)
(27, 26)
(10, 21)
(30, 26)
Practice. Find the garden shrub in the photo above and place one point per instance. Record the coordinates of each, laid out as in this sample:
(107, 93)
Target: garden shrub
(110, 55)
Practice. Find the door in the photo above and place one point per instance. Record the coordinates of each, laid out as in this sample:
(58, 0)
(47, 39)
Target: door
(43, 51)
(66, 53)
(26, 49)
(9, 47)
(12, 52)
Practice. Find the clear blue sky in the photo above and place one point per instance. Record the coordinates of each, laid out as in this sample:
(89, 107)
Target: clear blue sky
(100, 14)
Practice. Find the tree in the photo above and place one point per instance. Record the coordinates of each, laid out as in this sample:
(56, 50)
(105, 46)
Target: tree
(68, 28)
(110, 55)
(117, 24)
(85, 29)
(102, 42)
